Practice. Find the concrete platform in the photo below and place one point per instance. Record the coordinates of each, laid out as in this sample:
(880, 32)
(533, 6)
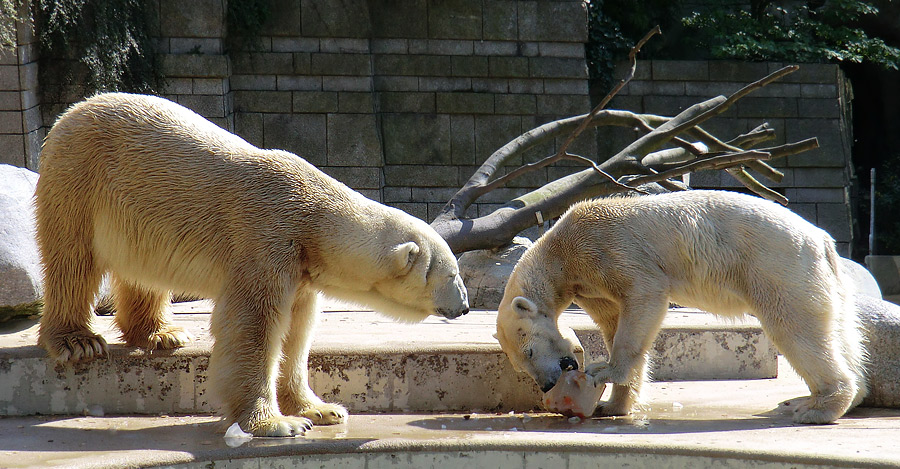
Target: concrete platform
(735, 423)
(359, 358)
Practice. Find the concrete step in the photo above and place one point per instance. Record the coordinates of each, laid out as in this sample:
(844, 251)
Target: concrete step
(725, 424)
(359, 358)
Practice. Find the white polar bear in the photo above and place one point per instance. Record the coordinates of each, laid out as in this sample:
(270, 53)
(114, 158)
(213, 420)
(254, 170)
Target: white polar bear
(624, 259)
(165, 200)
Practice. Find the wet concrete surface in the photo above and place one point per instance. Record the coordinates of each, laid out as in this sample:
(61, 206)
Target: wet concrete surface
(738, 420)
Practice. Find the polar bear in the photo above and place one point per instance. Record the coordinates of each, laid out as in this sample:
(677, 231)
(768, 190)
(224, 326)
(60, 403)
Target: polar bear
(164, 200)
(624, 259)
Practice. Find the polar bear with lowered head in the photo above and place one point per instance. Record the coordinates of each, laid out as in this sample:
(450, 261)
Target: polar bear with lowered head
(624, 259)
(165, 200)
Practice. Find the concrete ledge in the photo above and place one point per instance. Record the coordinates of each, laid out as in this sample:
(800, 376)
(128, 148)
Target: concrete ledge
(359, 358)
(684, 424)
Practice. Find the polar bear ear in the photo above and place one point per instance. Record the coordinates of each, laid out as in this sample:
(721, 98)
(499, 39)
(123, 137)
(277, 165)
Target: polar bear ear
(405, 254)
(524, 307)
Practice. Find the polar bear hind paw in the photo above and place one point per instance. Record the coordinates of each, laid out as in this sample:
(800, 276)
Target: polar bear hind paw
(170, 338)
(326, 414)
(279, 426)
(76, 346)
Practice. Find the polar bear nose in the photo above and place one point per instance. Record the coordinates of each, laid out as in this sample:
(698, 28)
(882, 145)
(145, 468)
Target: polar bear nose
(568, 363)
(453, 314)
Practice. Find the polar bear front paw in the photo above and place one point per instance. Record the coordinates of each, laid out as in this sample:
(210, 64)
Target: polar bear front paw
(280, 426)
(170, 338)
(600, 372)
(326, 414)
(75, 346)
(811, 411)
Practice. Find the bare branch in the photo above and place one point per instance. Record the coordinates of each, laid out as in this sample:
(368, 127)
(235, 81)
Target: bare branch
(751, 183)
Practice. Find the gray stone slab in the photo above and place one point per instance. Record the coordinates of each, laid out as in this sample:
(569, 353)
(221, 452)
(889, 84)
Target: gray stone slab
(20, 266)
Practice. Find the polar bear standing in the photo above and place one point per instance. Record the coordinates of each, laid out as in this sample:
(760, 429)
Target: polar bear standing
(624, 259)
(165, 200)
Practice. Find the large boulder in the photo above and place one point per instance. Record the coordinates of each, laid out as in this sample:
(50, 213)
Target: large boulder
(20, 267)
(860, 277)
(881, 324)
(486, 271)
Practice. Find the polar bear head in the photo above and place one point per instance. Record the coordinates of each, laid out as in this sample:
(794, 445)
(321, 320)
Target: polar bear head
(530, 337)
(393, 263)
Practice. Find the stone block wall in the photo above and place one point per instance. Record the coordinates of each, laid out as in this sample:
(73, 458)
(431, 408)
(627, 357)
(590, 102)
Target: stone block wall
(811, 102)
(21, 125)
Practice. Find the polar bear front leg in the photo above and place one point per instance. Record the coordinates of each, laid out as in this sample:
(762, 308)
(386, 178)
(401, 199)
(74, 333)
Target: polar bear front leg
(628, 341)
(142, 317)
(295, 397)
(249, 326)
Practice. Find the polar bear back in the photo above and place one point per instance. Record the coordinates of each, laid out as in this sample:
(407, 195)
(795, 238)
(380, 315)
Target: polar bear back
(708, 249)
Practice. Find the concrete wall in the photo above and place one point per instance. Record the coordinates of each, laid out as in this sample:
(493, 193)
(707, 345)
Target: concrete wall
(402, 100)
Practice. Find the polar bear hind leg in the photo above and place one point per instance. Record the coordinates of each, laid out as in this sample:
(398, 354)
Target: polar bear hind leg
(142, 317)
(249, 323)
(71, 278)
(295, 397)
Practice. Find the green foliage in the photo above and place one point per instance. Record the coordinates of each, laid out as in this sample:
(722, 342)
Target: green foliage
(104, 44)
(8, 16)
(245, 21)
(796, 33)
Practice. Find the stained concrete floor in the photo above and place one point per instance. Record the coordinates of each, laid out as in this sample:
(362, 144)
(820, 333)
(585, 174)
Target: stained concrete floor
(690, 423)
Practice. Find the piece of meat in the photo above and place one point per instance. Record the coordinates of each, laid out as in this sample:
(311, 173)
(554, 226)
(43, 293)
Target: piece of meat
(573, 395)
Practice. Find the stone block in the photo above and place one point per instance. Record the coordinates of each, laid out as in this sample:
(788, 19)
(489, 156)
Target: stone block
(515, 104)
(301, 134)
(13, 152)
(246, 82)
(353, 140)
(569, 22)
(210, 106)
(462, 139)
(198, 18)
(263, 63)
(432, 194)
(249, 126)
(680, 70)
(819, 177)
(390, 46)
(194, 65)
(416, 139)
(210, 86)
(835, 219)
(668, 105)
(418, 210)
(526, 85)
(420, 175)
(561, 49)
(407, 102)
(392, 83)
(809, 73)
(461, 66)
(454, 19)
(557, 67)
(496, 48)
(285, 19)
(302, 63)
(298, 83)
(346, 83)
(565, 86)
(511, 67)
(357, 178)
(11, 122)
(465, 103)
(819, 108)
(444, 84)
(736, 71)
(831, 142)
(315, 102)
(815, 90)
(767, 107)
(499, 20)
(441, 47)
(195, 45)
(778, 90)
(340, 64)
(10, 101)
(563, 105)
(262, 101)
(295, 44)
(344, 45)
(356, 103)
(490, 85)
(399, 20)
(492, 132)
(325, 18)
(397, 194)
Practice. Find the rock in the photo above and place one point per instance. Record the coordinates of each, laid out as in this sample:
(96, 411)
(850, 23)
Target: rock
(485, 272)
(20, 268)
(862, 279)
(886, 270)
(881, 324)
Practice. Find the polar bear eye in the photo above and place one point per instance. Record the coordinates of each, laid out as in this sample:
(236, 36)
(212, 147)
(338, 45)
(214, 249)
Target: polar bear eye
(529, 352)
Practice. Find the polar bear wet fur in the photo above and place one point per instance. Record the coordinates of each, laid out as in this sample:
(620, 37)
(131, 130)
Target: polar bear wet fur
(624, 259)
(164, 200)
